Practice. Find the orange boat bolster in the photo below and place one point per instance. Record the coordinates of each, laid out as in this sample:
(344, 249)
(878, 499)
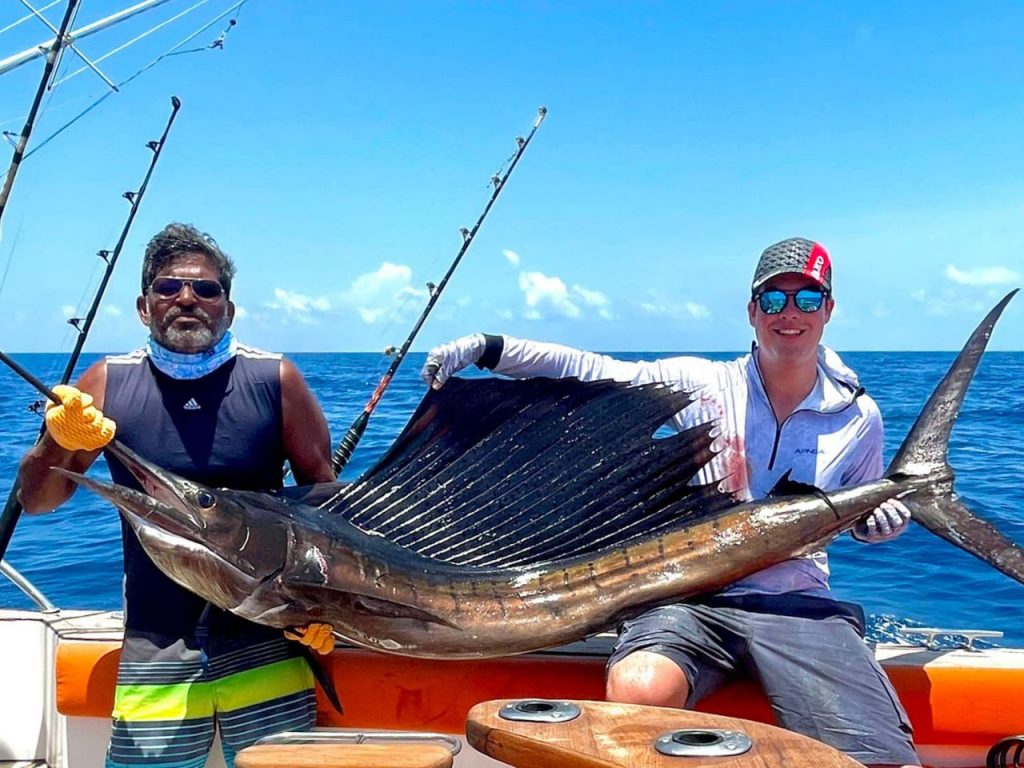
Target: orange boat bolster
(86, 675)
(947, 704)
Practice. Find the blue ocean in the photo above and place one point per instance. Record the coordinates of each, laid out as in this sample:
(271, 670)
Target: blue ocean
(74, 557)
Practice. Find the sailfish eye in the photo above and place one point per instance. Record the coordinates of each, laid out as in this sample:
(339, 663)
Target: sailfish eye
(206, 500)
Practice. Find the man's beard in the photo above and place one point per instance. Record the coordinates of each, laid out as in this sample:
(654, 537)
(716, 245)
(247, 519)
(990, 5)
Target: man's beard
(197, 338)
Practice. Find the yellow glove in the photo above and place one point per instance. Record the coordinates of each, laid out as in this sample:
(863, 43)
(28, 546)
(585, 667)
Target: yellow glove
(77, 425)
(319, 637)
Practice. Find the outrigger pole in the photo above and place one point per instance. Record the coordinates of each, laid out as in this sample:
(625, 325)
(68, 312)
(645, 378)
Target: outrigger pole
(12, 508)
(348, 444)
(48, 70)
(66, 38)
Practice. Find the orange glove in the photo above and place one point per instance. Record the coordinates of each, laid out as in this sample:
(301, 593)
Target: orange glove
(319, 637)
(77, 425)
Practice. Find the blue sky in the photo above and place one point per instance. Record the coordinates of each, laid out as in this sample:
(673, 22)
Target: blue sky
(334, 149)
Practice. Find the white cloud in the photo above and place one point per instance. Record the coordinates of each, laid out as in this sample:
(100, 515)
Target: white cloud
(698, 311)
(541, 291)
(241, 312)
(948, 302)
(113, 310)
(594, 299)
(297, 303)
(512, 256)
(67, 310)
(384, 294)
(982, 275)
(549, 294)
(681, 310)
(381, 295)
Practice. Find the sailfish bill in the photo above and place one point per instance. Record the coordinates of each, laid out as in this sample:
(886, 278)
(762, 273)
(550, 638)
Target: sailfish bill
(511, 516)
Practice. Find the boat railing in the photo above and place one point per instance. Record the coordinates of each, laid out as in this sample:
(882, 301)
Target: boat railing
(343, 748)
(27, 588)
(345, 736)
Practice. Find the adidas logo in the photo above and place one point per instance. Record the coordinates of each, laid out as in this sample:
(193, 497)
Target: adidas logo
(192, 405)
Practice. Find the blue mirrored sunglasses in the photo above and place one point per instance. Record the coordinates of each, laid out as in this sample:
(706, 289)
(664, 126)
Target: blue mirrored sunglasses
(774, 300)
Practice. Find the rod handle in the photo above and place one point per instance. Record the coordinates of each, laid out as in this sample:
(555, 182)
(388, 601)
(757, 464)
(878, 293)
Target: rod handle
(348, 444)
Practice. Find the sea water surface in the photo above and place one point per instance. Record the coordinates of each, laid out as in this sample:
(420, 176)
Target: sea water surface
(74, 556)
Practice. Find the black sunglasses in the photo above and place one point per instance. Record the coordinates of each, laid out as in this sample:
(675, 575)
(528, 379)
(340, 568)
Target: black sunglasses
(169, 287)
(774, 300)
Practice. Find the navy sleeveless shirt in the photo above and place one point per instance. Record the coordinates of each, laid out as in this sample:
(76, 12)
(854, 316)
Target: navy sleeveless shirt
(223, 430)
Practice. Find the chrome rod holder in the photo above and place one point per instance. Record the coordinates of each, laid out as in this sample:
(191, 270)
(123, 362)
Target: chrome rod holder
(540, 711)
(703, 742)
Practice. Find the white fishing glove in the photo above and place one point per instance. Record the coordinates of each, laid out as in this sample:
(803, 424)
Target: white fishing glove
(887, 521)
(446, 360)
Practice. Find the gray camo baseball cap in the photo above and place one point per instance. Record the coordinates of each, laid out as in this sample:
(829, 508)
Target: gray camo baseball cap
(794, 255)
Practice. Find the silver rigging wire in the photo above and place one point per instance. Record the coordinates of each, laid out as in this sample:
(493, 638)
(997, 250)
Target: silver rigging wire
(217, 44)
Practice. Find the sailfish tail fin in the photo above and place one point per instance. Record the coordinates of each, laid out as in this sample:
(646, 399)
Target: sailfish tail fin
(949, 518)
(924, 453)
(926, 446)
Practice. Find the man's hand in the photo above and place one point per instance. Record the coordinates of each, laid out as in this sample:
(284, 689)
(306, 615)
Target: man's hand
(887, 521)
(77, 425)
(448, 359)
(319, 637)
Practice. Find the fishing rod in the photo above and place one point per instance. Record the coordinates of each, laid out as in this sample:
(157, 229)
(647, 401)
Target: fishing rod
(348, 444)
(48, 71)
(15, 366)
(12, 508)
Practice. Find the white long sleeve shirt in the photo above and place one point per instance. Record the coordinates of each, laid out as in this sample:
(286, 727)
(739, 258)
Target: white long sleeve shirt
(831, 440)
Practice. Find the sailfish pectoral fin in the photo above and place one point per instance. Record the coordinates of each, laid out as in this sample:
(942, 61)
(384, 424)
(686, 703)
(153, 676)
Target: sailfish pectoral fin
(308, 578)
(379, 607)
(365, 604)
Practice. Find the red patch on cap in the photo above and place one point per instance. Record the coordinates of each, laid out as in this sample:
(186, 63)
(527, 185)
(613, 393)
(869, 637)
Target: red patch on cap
(818, 263)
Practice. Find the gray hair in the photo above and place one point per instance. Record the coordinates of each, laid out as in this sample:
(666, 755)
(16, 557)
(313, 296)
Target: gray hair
(176, 240)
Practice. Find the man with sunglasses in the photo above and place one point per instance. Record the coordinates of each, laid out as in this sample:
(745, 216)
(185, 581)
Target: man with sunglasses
(788, 411)
(211, 409)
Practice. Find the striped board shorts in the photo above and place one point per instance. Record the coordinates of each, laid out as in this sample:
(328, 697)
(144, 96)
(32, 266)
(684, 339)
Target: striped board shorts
(172, 696)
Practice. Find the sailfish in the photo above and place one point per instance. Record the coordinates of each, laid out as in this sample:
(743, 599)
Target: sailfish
(511, 516)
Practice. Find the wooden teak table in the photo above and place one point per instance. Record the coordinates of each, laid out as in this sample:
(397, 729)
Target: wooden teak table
(344, 756)
(608, 735)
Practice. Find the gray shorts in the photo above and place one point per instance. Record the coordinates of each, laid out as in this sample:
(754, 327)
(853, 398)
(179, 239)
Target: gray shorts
(820, 677)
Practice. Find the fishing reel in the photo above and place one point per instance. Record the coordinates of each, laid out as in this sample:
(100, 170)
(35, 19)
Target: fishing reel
(1008, 753)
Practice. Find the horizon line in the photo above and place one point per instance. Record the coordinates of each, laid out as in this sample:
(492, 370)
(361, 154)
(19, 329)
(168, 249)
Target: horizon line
(660, 353)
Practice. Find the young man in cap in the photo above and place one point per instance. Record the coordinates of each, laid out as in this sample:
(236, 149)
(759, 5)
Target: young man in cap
(789, 407)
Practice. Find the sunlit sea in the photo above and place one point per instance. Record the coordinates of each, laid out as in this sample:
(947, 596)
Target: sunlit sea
(73, 555)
